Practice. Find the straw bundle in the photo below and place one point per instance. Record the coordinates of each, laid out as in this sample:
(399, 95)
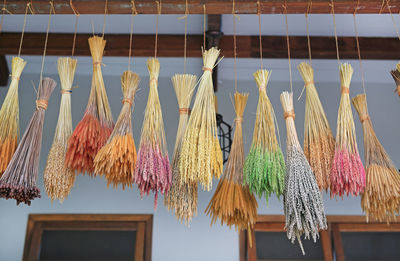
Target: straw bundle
(152, 172)
(117, 159)
(201, 156)
(303, 205)
(396, 77)
(232, 202)
(381, 198)
(347, 175)
(182, 197)
(59, 180)
(19, 179)
(264, 168)
(319, 144)
(9, 116)
(93, 130)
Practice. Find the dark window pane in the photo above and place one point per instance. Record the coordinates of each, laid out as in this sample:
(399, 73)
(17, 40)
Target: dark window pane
(276, 246)
(367, 246)
(87, 245)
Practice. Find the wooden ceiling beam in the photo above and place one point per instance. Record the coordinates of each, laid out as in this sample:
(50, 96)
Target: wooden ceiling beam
(196, 6)
(172, 46)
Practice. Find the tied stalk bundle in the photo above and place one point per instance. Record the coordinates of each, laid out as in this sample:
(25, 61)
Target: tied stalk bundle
(19, 181)
(152, 172)
(396, 77)
(59, 180)
(381, 197)
(264, 168)
(182, 197)
(9, 116)
(303, 205)
(117, 159)
(348, 174)
(319, 144)
(201, 156)
(93, 130)
(232, 202)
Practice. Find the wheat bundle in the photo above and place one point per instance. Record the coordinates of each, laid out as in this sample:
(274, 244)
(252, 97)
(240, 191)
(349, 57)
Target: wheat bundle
(396, 77)
(347, 174)
(264, 168)
(303, 205)
(117, 159)
(381, 197)
(152, 171)
(201, 156)
(182, 196)
(232, 202)
(19, 179)
(9, 116)
(93, 130)
(319, 144)
(59, 180)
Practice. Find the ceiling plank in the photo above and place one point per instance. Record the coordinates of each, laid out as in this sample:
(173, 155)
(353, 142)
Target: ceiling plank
(196, 6)
(172, 46)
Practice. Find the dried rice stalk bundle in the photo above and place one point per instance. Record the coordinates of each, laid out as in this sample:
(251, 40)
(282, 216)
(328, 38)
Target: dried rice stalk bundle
(264, 168)
(20, 178)
(201, 156)
(93, 130)
(348, 174)
(319, 144)
(182, 196)
(303, 205)
(381, 198)
(396, 77)
(152, 172)
(232, 202)
(59, 180)
(117, 159)
(9, 116)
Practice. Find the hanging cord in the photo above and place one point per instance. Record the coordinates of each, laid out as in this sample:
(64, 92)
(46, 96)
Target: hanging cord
(336, 38)
(23, 30)
(76, 26)
(309, 6)
(157, 17)
(394, 22)
(30, 6)
(288, 46)
(52, 11)
(382, 7)
(235, 16)
(4, 10)
(204, 26)
(259, 32)
(133, 14)
(185, 39)
(104, 20)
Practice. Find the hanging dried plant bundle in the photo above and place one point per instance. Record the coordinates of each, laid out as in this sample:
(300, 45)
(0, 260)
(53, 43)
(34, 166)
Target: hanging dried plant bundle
(264, 168)
(347, 175)
(201, 156)
(182, 196)
(396, 77)
(232, 202)
(381, 198)
(303, 205)
(93, 130)
(319, 144)
(152, 172)
(9, 116)
(19, 179)
(59, 180)
(117, 159)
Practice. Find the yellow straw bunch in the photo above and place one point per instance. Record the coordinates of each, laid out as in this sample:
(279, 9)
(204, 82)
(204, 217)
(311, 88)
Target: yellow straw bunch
(396, 77)
(201, 156)
(182, 197)
(319, 144)
(117, 159)
(59, 180)
(9, 116)
(381, 198)
(232, 202)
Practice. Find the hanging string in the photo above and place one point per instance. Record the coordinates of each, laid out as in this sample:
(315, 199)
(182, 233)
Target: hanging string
(157, 17)
(76, 26)
(185, 38)
(4, 10)
(30, 6)
(288, 46)
(382, 7)
(133, 14)
(309, 6)
(336, 38)
(235, 16)
(204, 26)
(259, 31)
(393, 21)
(104, 20)
(23, 30)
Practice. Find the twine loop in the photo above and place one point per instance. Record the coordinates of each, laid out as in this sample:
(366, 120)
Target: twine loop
(306, 84)
(66, 91)
(364, 117)
(184, 111)
(238, 119)
(207, 69)
(127, 100)
(13, 77)
(42, 104)
(344, 89)
(98, 63)
(290, 114)
(153, 80)
(263, 87)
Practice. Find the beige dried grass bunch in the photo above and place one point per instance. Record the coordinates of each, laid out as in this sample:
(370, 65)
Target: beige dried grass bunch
(319, 144)
(59, 180)
(396, 77)
(381, 198)
(201, 156)
(182, 197)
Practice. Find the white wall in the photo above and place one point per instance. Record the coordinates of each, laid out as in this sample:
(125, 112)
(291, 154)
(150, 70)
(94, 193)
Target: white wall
(172, 240)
